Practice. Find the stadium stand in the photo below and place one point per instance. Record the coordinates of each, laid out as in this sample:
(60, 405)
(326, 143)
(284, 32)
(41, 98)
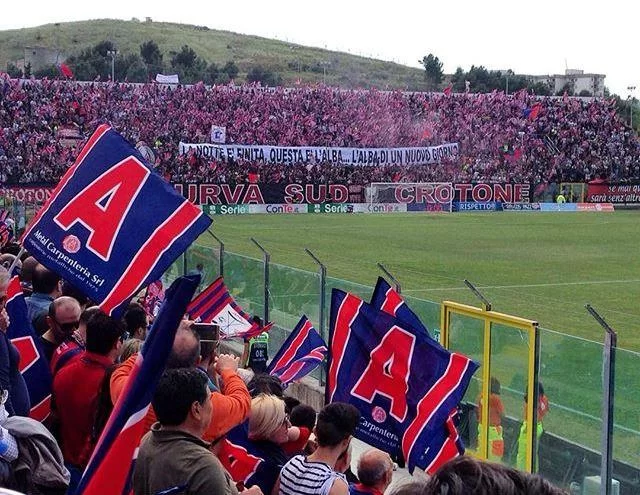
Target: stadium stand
(569, 139)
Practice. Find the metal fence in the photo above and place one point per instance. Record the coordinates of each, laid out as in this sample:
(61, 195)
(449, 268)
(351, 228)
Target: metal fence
(571, 368)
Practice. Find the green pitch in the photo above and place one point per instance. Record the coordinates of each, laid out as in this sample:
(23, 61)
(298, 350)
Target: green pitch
(542, 266)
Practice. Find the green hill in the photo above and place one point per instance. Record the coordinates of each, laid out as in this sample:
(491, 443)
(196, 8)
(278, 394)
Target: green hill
(289, 60)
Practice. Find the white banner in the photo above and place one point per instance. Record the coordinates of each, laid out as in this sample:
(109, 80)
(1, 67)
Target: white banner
(312, 154)
(170, 79)
(218, 134)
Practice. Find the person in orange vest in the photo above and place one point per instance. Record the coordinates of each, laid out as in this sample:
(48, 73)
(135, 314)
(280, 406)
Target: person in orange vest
(543, 409)
(496, 413)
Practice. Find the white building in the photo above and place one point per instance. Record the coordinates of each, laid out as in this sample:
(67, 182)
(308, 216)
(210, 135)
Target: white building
(575, 79)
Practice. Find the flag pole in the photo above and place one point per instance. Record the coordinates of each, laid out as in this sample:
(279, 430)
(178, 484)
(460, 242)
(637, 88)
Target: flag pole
(608, 392)
(323, 303)
(266, 256)
(393, 279)
(15, 261)
(220, 252)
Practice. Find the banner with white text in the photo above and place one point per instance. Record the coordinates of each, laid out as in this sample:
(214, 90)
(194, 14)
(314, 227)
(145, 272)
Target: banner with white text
(312, 154)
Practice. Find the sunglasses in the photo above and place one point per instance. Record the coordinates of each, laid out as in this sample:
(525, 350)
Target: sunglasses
(69, 326)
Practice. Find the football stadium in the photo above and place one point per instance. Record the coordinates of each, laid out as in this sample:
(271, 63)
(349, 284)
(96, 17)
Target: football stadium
(275, 278)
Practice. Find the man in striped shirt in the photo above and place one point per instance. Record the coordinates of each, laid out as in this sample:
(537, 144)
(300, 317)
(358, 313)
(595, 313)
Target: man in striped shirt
(321, 472)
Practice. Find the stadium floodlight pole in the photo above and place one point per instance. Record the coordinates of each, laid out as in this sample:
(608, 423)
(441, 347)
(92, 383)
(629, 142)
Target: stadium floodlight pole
(608, 390)
(631, 90)
(220, 252)
(479, 295)
(323, 301)
(266, 258)
(112, 54)
(393, 279)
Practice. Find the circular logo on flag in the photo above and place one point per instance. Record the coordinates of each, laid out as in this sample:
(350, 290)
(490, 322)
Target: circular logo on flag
(71, 244)
(378, 414)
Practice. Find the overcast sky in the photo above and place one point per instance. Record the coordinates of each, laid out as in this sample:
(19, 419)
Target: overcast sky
(537, 37)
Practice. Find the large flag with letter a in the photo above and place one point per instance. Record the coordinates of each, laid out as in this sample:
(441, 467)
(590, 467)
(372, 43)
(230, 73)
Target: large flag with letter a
(109, 470)
(402, 381)
(112, 225)
(300, 354)
(33, 365)
(445, 443)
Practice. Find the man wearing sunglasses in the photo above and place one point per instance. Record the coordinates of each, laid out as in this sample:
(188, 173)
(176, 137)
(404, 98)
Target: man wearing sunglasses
(62, 320)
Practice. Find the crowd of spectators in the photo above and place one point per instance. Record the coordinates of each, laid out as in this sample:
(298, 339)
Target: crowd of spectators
(570, 139)
(210, 419)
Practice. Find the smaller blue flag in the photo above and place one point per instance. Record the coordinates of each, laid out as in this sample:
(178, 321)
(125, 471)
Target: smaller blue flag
(300, 354)
(33, 365)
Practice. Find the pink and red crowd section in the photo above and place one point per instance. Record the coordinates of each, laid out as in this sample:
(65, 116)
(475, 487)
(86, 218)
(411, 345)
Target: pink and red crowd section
(570, 139)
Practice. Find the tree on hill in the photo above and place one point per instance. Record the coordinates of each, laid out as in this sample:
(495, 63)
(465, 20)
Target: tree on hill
(212, 74)
(231, 69)
(48, 71)
(152, 57)
(92, 62)
(13, 70)
(188, 65)
(432, 71)
(266, 77)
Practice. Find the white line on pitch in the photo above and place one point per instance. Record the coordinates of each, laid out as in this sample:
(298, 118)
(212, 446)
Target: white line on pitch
(559, 284)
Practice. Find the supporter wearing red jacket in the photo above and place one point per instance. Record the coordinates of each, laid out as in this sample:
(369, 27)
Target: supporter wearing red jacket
(76, 386)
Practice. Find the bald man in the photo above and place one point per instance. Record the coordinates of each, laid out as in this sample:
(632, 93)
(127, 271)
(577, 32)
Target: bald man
(375, 471)
(62, 320)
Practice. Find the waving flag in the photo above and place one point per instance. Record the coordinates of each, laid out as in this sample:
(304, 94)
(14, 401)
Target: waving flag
(404, 384)
(246, 462)
(112, 225)
(532, 113)
(33, 365)
(386, 298)
(300, 354)
(109, 470)
(66, 71)
(153, 297)
(446, 443)
(6, 233)
(215, 305)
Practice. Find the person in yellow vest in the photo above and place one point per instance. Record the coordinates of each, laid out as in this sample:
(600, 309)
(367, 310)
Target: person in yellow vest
(256, 351)
(543, 409)
(561, 199)
(495, 450)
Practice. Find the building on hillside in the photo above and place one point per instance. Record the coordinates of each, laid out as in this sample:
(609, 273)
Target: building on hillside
(40, 57)
(574, 81)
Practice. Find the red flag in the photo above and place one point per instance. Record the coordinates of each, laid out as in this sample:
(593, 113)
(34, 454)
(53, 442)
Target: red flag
(447, 90)
(535, 110)
(66, 71)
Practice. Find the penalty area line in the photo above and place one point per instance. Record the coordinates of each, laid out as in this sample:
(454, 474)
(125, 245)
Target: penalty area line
(527, 286)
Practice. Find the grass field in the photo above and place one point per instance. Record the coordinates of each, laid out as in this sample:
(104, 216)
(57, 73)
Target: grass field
(539, 266)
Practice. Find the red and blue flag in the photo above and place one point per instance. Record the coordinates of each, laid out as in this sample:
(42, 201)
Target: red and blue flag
(301, 353)
(33, 365)
(386, 298)
(111, 465)
(249, 462)
(404, 383)
(215, 305)
(112, 225)
(445, 444)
